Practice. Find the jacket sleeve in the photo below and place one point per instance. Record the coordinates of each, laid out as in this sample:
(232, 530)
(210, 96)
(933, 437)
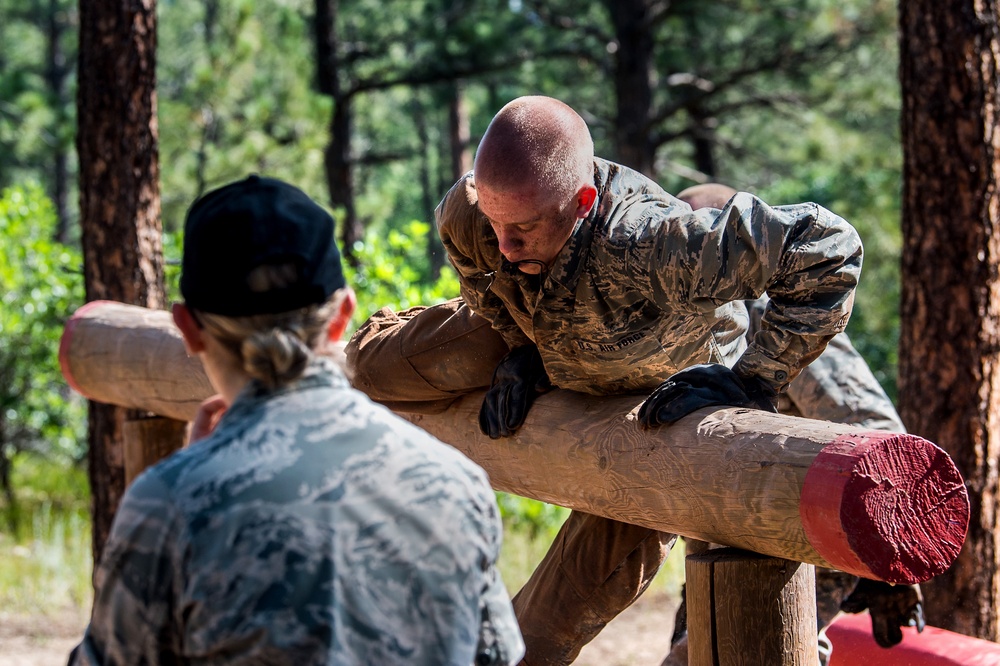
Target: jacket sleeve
(838, 386)
(806, 258)
(131, 622)
(474, 252)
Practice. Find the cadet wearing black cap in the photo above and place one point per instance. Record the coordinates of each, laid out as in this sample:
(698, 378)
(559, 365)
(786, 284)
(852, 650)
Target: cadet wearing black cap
(304, 524)
(256, 222)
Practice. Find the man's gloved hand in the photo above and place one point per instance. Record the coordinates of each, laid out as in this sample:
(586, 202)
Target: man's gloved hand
(890, 606)
(518, 379)
(701, 386)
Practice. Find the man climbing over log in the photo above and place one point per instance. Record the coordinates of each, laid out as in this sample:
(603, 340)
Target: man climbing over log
(580, 273)
(840, 387)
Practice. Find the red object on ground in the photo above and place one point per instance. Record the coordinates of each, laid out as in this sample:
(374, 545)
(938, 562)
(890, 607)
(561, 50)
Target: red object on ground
(853, 645)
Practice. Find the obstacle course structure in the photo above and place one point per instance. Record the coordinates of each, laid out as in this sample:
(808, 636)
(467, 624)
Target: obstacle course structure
(885, 506)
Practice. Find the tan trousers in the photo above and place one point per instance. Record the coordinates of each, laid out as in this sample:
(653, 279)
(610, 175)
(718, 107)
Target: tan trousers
(421, 360)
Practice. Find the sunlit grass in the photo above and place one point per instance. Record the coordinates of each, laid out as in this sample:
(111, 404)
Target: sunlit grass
(45, 567)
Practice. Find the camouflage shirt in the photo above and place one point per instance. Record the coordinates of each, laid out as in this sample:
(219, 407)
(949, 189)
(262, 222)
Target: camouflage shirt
(312, 527)
(646, 286)
(838, 386)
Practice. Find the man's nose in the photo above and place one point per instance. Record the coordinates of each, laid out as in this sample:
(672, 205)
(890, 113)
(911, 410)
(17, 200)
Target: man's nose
(508, 241)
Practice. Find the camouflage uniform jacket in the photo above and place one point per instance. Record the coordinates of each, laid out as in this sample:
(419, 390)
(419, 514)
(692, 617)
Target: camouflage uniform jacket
(838, 386)
(646, 286)
(312, 527)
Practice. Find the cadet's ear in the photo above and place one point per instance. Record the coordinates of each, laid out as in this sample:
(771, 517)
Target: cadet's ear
(190, 330)
(342, 318)
(585, 199)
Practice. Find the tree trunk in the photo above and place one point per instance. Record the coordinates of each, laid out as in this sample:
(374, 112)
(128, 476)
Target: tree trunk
(428, 194)
(337, 154)
(633, 83)
(460, 138)
(119, 199)
(56, 74)
(949, 374)
(703, 140)
(339, 175)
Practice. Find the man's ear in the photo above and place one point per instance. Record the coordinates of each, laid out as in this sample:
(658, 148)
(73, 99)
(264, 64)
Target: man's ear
(190, 331)
(342, 318)
(585, 198)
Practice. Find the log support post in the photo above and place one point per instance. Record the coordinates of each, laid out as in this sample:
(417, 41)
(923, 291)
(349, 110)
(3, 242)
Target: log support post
(148, 440)
(745, 608)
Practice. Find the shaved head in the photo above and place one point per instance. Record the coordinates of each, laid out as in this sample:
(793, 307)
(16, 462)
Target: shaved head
(535, 147)
(707, 195)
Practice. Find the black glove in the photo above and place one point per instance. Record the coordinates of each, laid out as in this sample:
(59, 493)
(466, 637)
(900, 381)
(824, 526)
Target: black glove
(701, 386)
(890, 606)
(518, 379)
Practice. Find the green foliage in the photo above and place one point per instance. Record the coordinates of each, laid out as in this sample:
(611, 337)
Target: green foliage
(40, 283)
(37, 107)
(537, 519)
(235, 97)
(394, 271)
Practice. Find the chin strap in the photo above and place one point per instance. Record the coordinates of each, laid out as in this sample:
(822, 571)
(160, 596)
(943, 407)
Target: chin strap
(512, 267)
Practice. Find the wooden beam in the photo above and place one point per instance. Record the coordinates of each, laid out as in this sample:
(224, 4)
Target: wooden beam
(882, 505)
(148, 440)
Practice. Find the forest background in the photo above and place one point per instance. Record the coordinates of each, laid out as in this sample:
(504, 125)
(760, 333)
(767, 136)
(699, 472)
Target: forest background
(375, 108)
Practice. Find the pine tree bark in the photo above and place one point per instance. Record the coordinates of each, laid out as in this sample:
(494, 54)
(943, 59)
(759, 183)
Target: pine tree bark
(949, 366)
(337, 154)
(633, 74)
(119, 200)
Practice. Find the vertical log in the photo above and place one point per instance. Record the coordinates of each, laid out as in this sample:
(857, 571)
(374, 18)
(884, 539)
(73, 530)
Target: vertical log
(149, 440)
(746, 609)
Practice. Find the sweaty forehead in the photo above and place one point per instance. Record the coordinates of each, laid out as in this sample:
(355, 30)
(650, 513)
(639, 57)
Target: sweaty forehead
(520, 207)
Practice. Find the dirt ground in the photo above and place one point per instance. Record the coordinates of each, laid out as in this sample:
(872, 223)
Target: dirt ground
(638, 637)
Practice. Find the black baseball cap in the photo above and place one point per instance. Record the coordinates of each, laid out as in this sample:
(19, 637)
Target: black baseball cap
(233, 230)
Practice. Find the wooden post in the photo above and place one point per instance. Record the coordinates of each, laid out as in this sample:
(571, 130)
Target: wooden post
(149, 440)
(746, 609)
(881, 505)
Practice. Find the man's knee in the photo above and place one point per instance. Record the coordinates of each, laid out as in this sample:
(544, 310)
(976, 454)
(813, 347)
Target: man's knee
(423, 358)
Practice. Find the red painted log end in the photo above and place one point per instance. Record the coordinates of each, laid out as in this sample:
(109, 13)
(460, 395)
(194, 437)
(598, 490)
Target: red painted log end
(886, 506)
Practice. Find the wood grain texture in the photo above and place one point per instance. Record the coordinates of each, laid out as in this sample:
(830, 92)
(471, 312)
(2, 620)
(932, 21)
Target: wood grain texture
(725, 475)
(149, 440)
(748, 609)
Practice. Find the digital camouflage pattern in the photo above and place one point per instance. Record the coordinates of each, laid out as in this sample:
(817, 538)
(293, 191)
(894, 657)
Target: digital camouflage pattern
(646, 286)
(312, 527)
(838, 386)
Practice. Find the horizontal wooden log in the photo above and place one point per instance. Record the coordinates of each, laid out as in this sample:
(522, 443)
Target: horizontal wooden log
(881, 505)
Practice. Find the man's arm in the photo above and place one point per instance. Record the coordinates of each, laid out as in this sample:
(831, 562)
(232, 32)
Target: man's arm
(474, 252)
(133, 604)
(806, 258)
(838, 386)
